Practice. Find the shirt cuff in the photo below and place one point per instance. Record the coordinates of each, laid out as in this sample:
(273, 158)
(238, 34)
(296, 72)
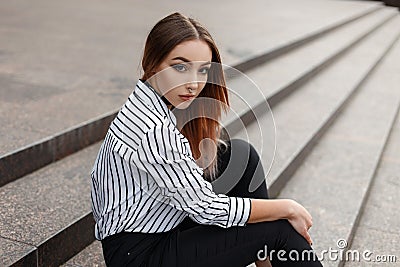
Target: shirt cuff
(239, 212)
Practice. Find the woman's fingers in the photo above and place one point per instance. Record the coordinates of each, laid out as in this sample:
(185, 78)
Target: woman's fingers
(300, 225)
(309, 225)
(302, 222)
(307, 237)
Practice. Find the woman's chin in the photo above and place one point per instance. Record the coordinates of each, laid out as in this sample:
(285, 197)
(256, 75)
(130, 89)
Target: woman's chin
(184, 104)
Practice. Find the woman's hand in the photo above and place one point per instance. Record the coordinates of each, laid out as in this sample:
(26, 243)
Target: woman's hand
(300, 219)
(275, 209)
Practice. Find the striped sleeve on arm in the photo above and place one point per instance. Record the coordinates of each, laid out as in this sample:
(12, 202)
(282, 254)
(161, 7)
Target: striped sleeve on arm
(164, 153)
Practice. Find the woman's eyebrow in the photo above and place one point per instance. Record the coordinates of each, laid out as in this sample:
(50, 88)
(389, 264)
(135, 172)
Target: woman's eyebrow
(188, 61)
(181, 58)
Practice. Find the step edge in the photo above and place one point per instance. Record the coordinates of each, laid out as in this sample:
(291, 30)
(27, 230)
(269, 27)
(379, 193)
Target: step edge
(378, 162)
(296, 160)
(247, 116)
(256, 60)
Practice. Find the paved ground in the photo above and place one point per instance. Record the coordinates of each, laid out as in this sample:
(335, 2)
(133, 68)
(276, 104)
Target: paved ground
(62, 63)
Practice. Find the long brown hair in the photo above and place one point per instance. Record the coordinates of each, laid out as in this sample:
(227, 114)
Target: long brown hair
(202, 122)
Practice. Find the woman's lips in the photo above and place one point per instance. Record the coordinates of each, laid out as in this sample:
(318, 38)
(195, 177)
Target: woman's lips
(186, 97)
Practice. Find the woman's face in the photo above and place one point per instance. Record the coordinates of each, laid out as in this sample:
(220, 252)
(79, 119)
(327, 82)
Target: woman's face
(183, 73)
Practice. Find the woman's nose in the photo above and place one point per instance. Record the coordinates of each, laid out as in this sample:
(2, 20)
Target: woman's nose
(193, 82)
(192, 85)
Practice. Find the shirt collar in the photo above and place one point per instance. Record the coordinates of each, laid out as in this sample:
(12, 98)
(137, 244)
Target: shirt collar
(153, 99)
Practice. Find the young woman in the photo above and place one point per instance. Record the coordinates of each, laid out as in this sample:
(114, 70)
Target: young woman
(152, 196)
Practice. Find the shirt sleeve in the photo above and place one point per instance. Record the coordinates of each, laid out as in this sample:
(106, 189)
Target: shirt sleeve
(164, 155)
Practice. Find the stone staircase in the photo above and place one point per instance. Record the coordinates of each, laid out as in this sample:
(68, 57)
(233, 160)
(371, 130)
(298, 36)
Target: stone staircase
(335, 97)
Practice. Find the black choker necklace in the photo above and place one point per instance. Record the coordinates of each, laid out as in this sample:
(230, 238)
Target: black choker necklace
(166, 100)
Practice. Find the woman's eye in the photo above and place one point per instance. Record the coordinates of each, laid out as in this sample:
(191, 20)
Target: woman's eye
(204, 70)
(180, 67)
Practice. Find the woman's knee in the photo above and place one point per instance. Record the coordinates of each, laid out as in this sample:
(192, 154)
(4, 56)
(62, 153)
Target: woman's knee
(280, 230)
(279, 236)
(244, 150)
(241, 172)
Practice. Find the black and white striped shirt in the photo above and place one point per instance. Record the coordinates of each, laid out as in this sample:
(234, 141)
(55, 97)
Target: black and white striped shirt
(145, 178)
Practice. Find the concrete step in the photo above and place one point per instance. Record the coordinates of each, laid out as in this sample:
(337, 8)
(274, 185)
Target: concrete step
(282, 76)
(299, 66)
(92, 255)
(288, 71)
(378, 230)
(334, 180)
(48, 210)
(52, 148)
(16, 253)
(298, 126)
(61, 142)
